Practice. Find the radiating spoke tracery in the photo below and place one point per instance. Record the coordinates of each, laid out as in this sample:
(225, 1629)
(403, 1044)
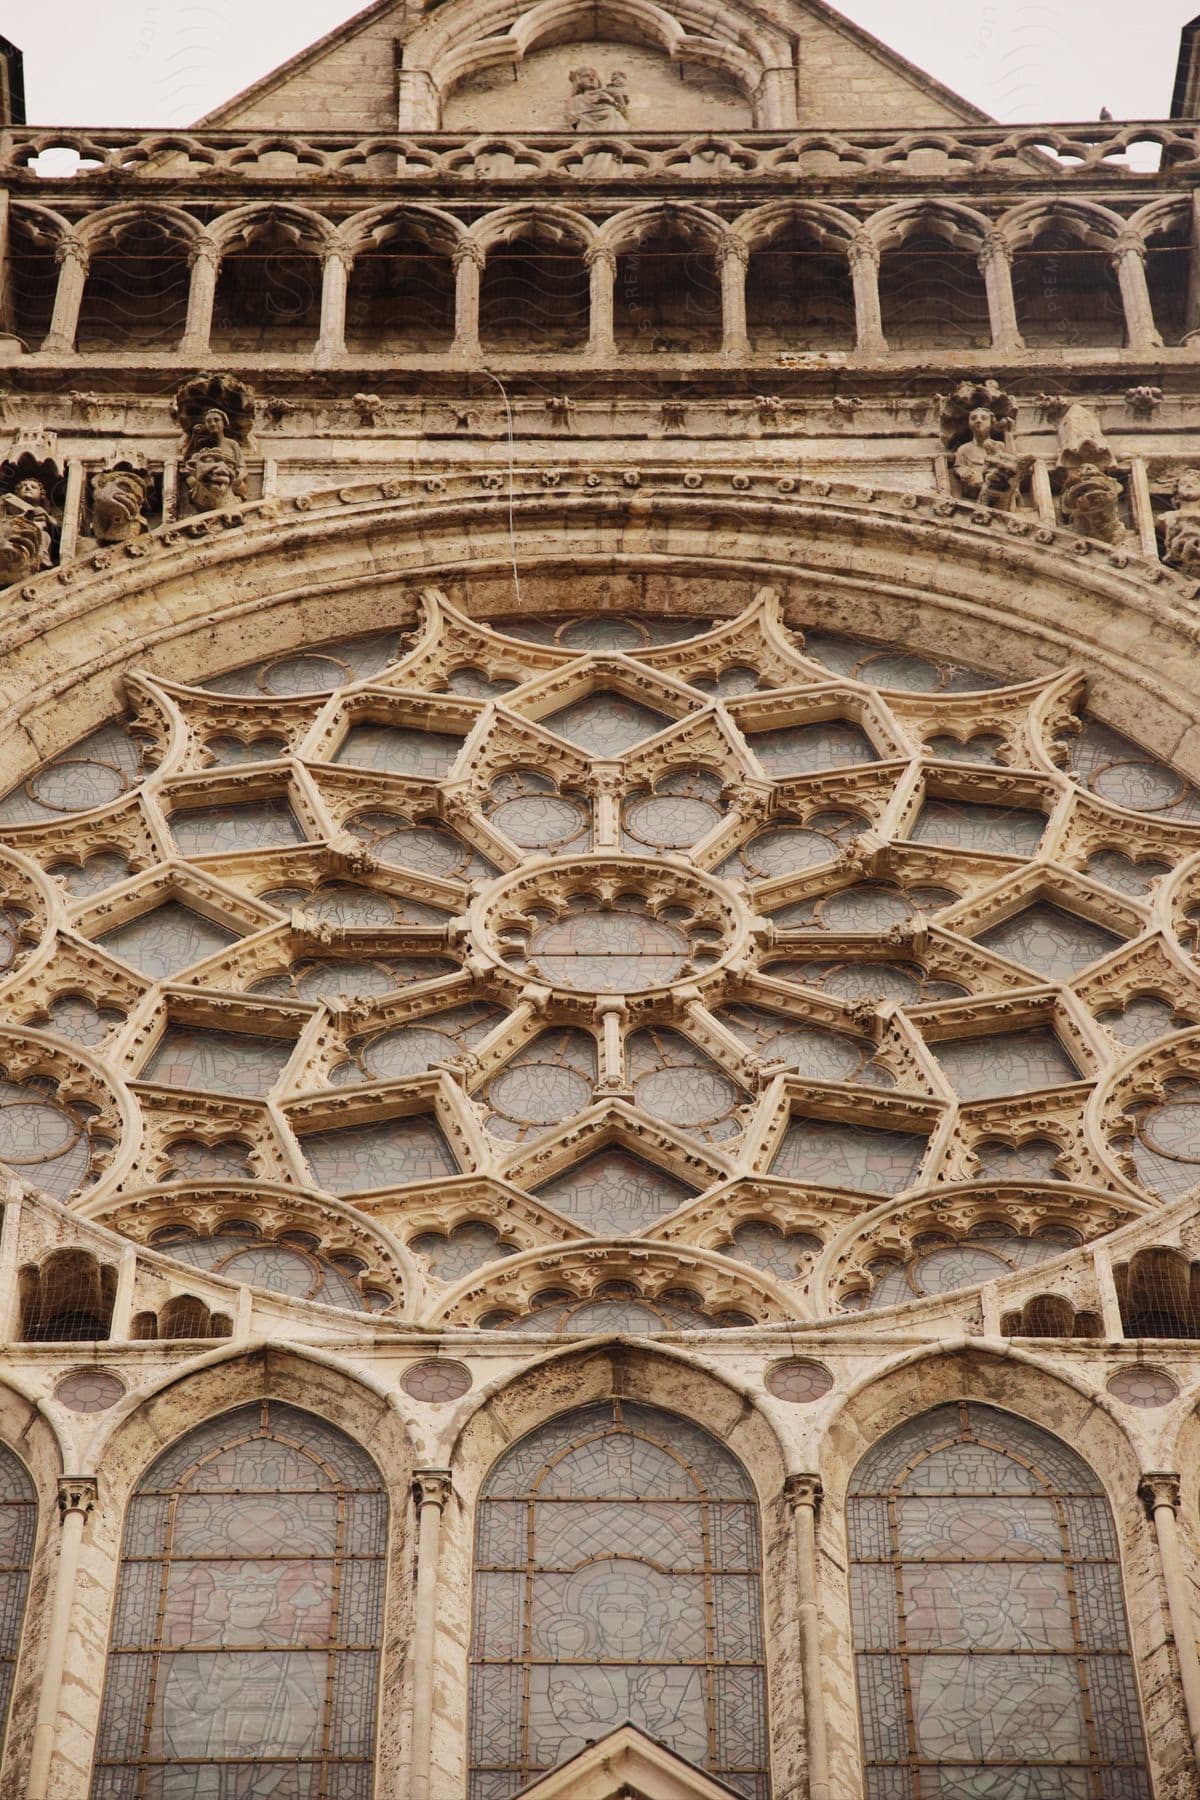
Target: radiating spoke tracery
(666, 932)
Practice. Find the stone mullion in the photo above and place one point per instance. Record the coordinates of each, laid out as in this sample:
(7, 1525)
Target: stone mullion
(995, 261)
(868, 316)
(469, 258)
(733, 258)
(73, 261)
(204, 262)
(76, 1501)
(336, 264)
(602, 276)
(803, 1494)
(431, 1491)
(1159, 1492)
(1129, 261)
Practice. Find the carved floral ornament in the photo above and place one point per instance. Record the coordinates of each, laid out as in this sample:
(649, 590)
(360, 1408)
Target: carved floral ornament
(603, 971)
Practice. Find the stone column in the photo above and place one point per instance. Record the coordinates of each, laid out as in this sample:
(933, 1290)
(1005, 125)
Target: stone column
(1129, 260)
(204, 260)
(803, 1494)
(336, 264)
(995, 262)
(602, 275)
(431, 1490)
(76, 1501)
(1158, 1491)
(72, 259)
(469, 258)
(733, 258)
(868, 320)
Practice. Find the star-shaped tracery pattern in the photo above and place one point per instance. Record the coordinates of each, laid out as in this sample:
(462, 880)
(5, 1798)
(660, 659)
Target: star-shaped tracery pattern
(847, 976)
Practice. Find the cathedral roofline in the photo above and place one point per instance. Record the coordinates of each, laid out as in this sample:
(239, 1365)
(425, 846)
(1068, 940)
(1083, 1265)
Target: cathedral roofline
(12, 84)
(1185, 96)
(412, 17)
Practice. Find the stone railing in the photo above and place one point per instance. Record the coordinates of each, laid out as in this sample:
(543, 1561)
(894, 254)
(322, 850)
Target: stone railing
(1101, 150)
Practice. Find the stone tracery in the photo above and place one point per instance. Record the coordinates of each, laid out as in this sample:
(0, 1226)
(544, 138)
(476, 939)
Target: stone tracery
(777, 939)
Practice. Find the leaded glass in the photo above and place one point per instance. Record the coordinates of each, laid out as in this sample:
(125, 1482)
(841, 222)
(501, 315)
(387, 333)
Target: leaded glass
(311, 671)
(606, 723)
(227, 751)
(967, 825)
(349, 907)
(814, 1051)
(617, 1577)
(866, 906)
(602, 633)
(1142, 1020)
(94, 772)
(337, 979)
(992, 1650)
(683, 807)
(248, 1615)
(1034, 1159)
(399, 749)
(807, 749)
(426, 848)
(528, 808)
(1121, 772)
(411, 1049)
(550, 1079)
(942, 1264)
(833, 1153)
(280, 1267)
(1005, 1062)
(614, 1194)
(389, 1153)
(889, 667)
(246, 825)
(166, 940)
(610, 949)
(453, 1254)
(673, 1080)
(93, 874)
(227, 1062)
(43, 1137)
(78, 1019)
(617, 1307)
(1053, 943)
(784, 1254)
(1129, 875)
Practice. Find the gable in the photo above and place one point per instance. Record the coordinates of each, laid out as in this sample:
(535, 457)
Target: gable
(475, 65)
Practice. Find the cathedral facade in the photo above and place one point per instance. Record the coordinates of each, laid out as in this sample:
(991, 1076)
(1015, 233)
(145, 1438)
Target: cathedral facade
(600, 927)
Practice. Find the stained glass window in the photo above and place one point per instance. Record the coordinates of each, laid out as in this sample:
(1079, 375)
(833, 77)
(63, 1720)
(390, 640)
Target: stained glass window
(1051, 942)
(617, 1578)
(547, 1081)
(248, 1618)
(1005, 1062)
(227, 1062)
(835, 1153)
(18, 1528)
(988, 1619)
(167, 939)
(805, 749)
(246, 825)
(614, 1194)
(291, 1265)
(425, 754)
(355, 1158)
(606, 723)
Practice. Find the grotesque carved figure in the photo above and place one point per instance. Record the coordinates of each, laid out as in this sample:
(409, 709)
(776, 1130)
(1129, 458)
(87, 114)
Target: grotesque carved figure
(986, 468)
(1089, 503)
(22, 544)
(595, 105)
(28, 530)
(1181, 527)
(214, 463)
(118, 505)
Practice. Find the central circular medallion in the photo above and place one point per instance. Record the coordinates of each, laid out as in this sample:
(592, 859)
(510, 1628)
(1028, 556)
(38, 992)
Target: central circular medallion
(609, 925)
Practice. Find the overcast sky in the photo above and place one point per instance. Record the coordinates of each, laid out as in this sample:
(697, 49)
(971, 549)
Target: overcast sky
(166, 62)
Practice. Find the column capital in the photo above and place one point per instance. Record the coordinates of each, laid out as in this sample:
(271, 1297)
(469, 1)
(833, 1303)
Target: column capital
(732, 249)
(995, 245)
(1129, 243)
(71, 249)
(600, 256)
(862, 250)
(468, 250)
(77, 1494)
(1159, 1487)
(337, 250)
(431, 1487)
(203, 250)
(804, 1489)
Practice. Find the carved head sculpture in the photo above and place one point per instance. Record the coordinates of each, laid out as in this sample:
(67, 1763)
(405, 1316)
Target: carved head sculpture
(31, 490)
(981, 422)
(1187, 487)
(22, 547)
(212, 479)
(118, 497)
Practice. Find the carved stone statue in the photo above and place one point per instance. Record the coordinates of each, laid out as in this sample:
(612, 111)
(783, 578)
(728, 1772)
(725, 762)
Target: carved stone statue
(118, 505)
(595, 105)
(29, 526)
(1181, 527)
(214, 478)
(23, 544)
(986, 468)
(1089, 503)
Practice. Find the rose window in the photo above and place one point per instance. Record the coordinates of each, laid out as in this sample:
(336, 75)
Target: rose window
(620, 973)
